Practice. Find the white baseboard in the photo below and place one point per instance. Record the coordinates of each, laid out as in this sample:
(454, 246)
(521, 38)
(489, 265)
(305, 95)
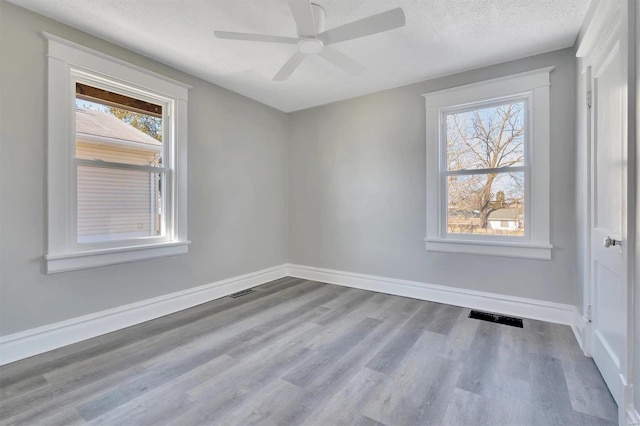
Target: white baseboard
(633, 417)
(24, 344)
(32, 342)
(578, 326)
(507, 305)
(628, 415)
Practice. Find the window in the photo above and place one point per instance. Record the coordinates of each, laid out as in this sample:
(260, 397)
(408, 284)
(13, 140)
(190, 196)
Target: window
(120, 174)
(117, 145)
(488, 167)
(485, 176)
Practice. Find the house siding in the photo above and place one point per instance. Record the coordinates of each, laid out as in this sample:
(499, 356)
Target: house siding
(115, 203)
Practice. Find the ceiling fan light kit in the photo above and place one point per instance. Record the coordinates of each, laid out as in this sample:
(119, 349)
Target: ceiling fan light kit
(314, 40)
(310, 46)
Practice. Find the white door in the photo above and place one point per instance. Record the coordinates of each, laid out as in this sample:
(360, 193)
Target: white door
(609, 291)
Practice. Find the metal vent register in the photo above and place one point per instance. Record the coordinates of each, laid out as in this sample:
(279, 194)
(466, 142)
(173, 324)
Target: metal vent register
(500, 319)
(241, 293)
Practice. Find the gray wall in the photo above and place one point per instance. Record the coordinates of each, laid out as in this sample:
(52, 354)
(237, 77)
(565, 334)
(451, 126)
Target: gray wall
(357, 187)
(351, 176)
(237, 189)
(582, 181)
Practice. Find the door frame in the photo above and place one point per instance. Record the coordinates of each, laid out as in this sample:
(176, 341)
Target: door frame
(605, 17)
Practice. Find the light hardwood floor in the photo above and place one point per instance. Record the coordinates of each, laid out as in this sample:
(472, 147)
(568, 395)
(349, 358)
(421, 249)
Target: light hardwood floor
(301, 352)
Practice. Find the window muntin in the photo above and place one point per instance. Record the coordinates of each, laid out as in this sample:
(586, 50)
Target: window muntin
(484, 173)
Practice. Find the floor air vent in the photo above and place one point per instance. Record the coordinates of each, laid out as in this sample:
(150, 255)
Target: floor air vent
(241, 293)
(500, 319)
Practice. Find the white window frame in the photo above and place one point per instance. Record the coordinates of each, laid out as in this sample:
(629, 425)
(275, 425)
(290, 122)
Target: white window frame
(69, 63)
(532, 87)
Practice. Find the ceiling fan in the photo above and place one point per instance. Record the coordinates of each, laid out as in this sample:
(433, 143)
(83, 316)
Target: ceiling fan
(314, 40)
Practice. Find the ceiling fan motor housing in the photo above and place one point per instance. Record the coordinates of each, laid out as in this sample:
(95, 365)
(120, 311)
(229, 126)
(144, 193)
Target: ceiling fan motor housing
(310, 46)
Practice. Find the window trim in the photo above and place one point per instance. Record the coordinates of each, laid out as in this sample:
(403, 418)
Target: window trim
(67, 63)
(534, 86)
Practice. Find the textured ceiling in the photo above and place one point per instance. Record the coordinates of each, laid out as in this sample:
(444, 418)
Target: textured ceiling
(440, 37)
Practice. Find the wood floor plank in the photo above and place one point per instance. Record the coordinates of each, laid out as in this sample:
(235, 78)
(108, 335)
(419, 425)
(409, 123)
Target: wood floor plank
(455, 346)
(358, 299)
(331, 353)
(586, 387)
(417, 392)
(154, 407)
(334, 376)
(261, 407)
(222, 394)
(469, 408)
(104, 364)
(513, 354)
(175, 363)
(63, 417)
(443, 319)
(292, 327)
(481, 360)
(549, 390)
(302, 352)
(36, 407)
(21, 387)
(344, 407)
(394, 351)
(87, 349)
(165, 371)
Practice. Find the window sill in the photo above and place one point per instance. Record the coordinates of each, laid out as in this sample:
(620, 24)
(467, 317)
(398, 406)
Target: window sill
(491, 248)
(102, 257)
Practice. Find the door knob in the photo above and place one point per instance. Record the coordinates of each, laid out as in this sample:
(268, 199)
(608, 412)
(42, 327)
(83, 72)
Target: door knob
(608, 242)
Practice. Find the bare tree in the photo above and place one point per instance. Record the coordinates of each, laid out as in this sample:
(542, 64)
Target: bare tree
(489, 138)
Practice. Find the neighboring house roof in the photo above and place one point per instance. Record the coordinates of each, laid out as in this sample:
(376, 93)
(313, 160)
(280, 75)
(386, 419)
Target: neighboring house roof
(105, 127)
(504, 214)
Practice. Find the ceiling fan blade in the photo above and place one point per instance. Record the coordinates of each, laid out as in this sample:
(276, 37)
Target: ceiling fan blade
(384, 21)
(289, 67)
(342, 61)
(303, 15)
(255, 37)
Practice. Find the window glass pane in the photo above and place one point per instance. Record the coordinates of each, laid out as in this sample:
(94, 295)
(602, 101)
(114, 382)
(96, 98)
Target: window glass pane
(118, 204)
(486, 138)
(116, 128)
(489, 204)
